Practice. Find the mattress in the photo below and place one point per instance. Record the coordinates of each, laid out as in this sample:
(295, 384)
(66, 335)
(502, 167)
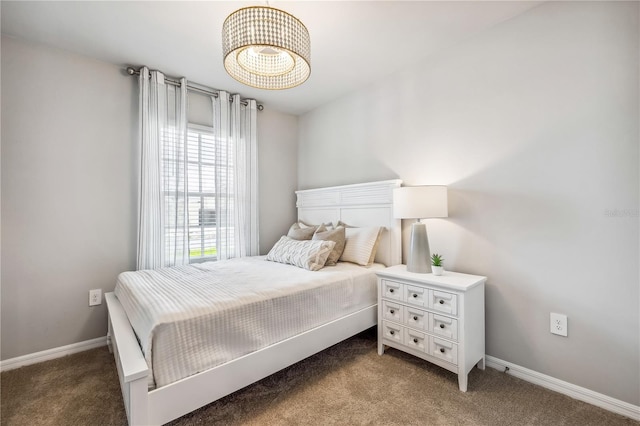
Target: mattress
(192, 318)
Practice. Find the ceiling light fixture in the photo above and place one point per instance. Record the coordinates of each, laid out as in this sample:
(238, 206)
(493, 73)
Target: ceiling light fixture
(266, 48)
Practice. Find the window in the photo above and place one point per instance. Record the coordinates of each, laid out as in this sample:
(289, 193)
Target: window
(202, 215)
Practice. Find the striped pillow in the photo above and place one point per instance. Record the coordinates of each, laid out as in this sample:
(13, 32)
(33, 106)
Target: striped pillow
(361, 245)
(307, 254)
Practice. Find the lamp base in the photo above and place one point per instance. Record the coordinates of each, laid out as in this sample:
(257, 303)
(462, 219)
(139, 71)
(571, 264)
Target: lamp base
(419, 256)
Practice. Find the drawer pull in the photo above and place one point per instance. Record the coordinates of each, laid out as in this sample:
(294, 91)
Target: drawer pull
(393, 332)
(390, 290)
(442, 350)
(441, 302)
(415, 340)
(391, 311)
(441, 325)
(415, 318)
(415, 295)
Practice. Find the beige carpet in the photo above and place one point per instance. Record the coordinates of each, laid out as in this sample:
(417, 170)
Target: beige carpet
(347, 384)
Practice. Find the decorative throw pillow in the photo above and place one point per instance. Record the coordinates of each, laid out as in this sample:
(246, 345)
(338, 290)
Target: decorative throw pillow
(329, 226)
(297, 232)
(337, 235)
(311, 255)
(361, 245)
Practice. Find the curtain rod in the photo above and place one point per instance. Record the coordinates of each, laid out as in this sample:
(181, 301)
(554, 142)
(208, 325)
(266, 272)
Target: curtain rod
(191, 86)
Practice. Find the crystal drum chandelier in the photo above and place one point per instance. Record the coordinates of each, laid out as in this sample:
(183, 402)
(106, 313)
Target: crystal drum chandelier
(266, 48)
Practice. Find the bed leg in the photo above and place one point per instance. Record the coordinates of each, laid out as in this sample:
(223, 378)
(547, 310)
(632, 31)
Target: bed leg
(138, 402)
(481, 364)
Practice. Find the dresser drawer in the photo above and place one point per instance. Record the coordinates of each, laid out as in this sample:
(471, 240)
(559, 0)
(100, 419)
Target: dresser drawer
(416, 318)
(415, 295)
(391, 331)
(392, 311)
(443, 302)
(444, 350)
(392, 290)
(415, 339)
(443, 326)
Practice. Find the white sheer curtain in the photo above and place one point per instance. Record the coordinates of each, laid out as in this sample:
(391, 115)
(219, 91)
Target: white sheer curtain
(236, 176)
(162, 209)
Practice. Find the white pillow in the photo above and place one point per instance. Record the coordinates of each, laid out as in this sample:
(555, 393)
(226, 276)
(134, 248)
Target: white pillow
(361, 245)
(307, 254)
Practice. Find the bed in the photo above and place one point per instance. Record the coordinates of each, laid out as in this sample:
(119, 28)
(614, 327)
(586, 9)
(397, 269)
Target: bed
(148, 402)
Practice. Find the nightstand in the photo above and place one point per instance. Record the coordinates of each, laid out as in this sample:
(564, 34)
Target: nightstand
(437, 318)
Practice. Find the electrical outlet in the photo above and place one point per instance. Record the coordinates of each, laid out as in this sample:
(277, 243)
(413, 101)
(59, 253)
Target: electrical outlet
(95, 297)
(558, 324)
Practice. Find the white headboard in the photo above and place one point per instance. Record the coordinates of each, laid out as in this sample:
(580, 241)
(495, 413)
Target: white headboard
(362, 204)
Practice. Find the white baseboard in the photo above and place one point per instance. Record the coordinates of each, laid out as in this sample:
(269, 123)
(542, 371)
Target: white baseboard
(37, 357)
(566, 388)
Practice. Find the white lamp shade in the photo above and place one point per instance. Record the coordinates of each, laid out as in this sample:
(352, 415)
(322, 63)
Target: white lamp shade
(420, 202)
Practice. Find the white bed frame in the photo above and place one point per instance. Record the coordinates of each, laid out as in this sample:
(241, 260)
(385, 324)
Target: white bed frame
(367, 204)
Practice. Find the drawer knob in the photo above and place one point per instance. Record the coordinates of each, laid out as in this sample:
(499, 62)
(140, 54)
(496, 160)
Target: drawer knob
(441, 325)
(442, 350)
(390, 290)
(392, 332)
(441, 302)
(392, 311)
(415, 295)
(415, 340)
(415, 318)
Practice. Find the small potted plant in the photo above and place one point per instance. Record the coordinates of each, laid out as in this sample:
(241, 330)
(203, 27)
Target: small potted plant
(436, 264)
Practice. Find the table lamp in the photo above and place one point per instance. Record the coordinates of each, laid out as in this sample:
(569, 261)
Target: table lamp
(419, 202)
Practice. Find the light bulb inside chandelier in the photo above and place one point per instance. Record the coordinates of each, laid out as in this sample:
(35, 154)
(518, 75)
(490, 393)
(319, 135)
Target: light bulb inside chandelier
(266, 48)
(266, 60)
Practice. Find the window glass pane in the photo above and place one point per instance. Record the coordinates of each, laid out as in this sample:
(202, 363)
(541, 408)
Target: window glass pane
(208, 216)
(194, 178)
(208, 178)
(195, 246)
(192, 146)
(209, 242)
(204, 154)
(207, 149)
(194, 211)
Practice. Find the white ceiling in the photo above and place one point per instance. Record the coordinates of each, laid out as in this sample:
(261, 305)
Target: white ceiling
(353, 43)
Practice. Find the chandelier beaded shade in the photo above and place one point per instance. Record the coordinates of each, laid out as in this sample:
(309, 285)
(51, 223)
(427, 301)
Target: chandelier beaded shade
(266, 48)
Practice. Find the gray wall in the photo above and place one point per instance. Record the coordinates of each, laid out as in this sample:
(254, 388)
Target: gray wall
(278, 174)
(533, 125)
(68, 199)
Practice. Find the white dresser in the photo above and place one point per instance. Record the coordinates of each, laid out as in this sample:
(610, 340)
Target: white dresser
(437, 318)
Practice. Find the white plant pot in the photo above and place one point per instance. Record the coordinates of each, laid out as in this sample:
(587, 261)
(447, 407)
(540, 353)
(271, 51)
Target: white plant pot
(437, 270)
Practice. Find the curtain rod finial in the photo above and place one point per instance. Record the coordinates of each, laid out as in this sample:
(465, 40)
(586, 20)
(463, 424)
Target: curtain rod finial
(131, 71)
